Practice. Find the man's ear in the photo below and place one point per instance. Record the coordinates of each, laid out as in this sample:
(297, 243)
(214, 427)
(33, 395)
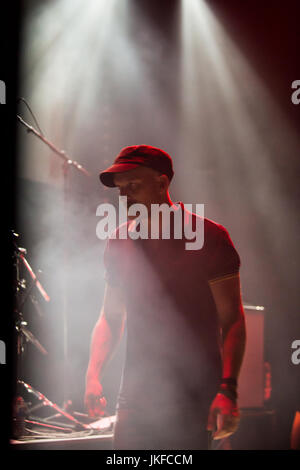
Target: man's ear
(163, 182)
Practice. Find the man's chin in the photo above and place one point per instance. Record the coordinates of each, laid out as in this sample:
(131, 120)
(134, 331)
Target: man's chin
(131, 217)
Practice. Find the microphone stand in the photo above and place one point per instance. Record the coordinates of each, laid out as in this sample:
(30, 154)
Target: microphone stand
(22, 413)
(67, 163)
(19, 255)
(61, 153)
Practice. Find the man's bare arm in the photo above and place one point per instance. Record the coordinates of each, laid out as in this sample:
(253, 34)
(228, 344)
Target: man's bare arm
(224, 413)
(106, 336)
(227, 296)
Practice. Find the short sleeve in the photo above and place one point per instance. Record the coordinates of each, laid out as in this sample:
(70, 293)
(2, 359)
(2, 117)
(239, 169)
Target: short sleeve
(111, 264)
(225, 260)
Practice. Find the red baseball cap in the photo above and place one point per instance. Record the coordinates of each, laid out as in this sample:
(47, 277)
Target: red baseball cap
(134, 156)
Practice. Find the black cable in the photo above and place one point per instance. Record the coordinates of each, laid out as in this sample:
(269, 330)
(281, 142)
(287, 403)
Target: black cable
(32, 114)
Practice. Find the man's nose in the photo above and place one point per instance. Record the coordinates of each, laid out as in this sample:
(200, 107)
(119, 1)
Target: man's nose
(123, 192)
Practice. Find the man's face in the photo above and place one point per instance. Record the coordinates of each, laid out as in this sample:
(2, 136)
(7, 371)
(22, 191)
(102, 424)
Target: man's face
(141, 185)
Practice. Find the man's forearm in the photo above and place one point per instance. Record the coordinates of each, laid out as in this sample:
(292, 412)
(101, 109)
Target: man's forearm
(234, 342)
(105, 337)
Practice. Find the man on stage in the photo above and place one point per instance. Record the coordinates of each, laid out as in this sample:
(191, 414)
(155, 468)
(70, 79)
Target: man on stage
(183, 314)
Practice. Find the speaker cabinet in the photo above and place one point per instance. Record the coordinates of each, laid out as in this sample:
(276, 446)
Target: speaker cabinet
(256, 431)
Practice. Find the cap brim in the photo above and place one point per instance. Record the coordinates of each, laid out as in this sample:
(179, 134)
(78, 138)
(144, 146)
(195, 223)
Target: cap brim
(107, 176)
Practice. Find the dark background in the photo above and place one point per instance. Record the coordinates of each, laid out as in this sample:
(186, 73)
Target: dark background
(9, 40)
(269, 37)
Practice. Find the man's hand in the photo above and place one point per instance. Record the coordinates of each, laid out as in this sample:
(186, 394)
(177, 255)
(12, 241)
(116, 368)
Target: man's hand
(223, 417)
(94, 400)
